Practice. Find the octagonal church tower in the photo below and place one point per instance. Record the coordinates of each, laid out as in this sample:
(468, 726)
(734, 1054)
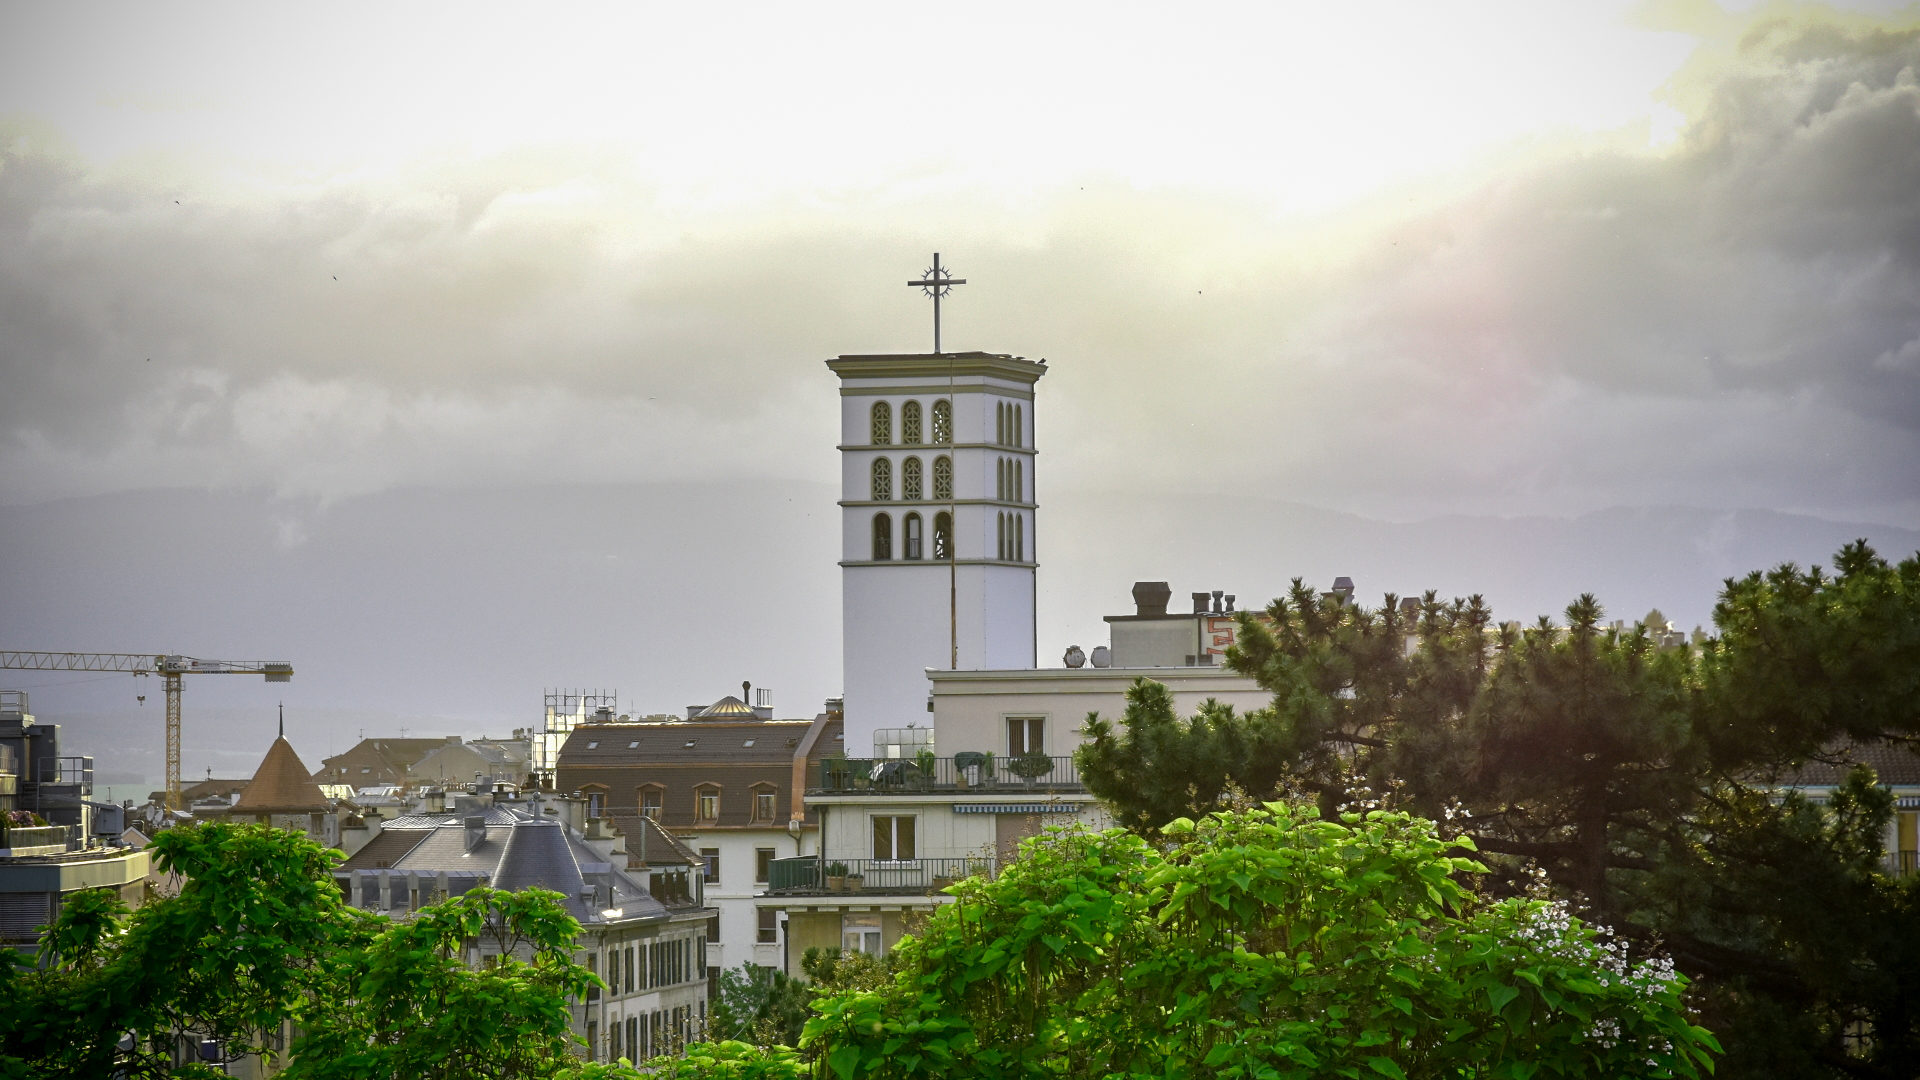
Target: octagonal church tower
(938, 536)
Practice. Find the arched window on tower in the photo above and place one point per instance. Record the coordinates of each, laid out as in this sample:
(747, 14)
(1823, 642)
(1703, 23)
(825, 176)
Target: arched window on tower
(943, 478)
(882, 537)
(910, 487)
(942, 535)
(910, 423)
(1000, 423)
(1000, 548)
(882, 479)
(943, 421)
(1019, 427)
(1020, 537)
(910, 544)
(1019, 481)
(882, 423)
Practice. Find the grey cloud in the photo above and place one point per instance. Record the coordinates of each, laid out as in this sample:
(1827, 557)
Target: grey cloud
(1733, 322)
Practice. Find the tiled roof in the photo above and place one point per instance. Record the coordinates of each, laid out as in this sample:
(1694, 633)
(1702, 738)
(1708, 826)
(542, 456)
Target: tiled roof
(495, 815)
(647, 844)
(385, 849)
(718, 742)
(1893, 763)
(281, 785)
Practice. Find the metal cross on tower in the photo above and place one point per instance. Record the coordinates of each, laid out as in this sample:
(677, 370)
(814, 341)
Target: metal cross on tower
(936, 283)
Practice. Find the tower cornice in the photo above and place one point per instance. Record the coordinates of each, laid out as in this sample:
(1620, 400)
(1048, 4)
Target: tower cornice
(940, 365)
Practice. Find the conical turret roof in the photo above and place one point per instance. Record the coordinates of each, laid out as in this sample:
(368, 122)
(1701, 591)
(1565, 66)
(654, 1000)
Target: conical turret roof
(282, 785)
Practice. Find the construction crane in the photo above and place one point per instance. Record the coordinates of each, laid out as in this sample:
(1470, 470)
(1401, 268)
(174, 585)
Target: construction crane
(166, 665)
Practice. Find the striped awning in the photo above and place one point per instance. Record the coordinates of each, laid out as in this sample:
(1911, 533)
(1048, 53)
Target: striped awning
(1016, 808)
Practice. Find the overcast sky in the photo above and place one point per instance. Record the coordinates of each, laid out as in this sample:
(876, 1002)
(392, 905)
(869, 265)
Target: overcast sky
(1399, 260)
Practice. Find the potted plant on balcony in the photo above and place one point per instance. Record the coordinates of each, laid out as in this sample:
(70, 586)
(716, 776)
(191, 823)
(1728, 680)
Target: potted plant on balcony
(836, 877)
(926, 763)
(1031, 765)
(856, 881)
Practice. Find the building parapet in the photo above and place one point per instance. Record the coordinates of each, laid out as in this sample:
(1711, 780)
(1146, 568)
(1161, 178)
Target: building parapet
(982, 773)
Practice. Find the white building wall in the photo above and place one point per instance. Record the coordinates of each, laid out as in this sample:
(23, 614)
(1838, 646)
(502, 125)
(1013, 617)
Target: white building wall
(897, 616)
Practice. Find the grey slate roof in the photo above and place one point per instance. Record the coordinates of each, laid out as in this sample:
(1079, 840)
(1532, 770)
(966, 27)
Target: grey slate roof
(496, 815)
(713, 742)
(1894, 763)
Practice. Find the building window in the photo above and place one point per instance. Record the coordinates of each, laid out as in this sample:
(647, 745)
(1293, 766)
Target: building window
(882, 479)
(652, 798)
(910, 488)
(1026, 734)
(1000, 532)
(762, 865)
(943, 421)
(763, 805)
(861, 934)
(706, 804)
(1020, 538)
(910, 423)
(943, 478)
(942, 535)
(629, 981)
(1019, 425)
(711, 856)
(882, 537)
(893, 837)
(1019, 481)
(911, 544)
(1000, 423)
(596, 803)
(768, 931)
(882, 423)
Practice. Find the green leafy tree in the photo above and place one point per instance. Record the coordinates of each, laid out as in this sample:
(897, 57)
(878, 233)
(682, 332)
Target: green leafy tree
(407, 1001)
(759, 1005)
(225, 960)
(1269, 942)
(1637, 778)
(260, 936)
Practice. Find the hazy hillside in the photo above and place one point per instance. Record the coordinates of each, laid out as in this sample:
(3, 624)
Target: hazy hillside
(450, 611)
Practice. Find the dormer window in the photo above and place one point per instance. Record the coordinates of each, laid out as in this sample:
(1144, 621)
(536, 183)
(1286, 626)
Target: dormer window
(652, 798)
(764, 799)
(706, 804)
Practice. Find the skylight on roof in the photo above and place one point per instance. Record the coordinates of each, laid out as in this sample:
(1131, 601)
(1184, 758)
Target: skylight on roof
(634, 745)
(595, 745)
(749, 742)
(689, 744)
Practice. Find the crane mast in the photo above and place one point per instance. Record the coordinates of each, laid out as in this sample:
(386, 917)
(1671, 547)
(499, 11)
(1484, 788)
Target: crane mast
(169, 666)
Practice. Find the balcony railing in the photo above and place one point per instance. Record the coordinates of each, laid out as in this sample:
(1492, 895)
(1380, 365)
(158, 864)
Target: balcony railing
(813, 876)
(963, 772)
(1903, 863)
(21, 838)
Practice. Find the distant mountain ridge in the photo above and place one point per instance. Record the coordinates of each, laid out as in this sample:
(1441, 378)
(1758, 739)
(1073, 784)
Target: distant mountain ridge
(450, 611)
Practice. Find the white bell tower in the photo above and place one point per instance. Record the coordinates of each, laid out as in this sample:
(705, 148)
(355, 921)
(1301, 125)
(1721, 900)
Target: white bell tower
(938, 537)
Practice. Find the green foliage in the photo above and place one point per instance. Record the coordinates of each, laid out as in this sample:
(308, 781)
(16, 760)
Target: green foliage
(725, 1060)
(759, 1005)
(1265, 943)
(225, 960)
(258, 936)
(1637, 779)
(406, 1002)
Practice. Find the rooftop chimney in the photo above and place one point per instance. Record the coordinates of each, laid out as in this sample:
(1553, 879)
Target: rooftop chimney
(1200, 601)
(476, 828)
(1150, 597)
